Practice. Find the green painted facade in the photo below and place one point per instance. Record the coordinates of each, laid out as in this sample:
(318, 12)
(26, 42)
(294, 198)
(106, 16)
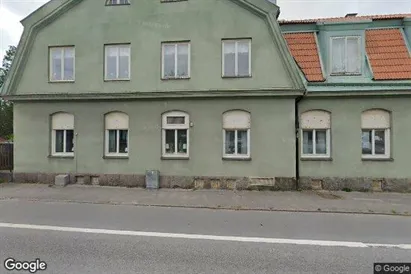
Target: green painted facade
(345, 131)
(269, 95)
(272, 138)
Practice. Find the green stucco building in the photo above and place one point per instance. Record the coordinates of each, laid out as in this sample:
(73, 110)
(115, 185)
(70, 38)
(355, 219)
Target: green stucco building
(212, 94)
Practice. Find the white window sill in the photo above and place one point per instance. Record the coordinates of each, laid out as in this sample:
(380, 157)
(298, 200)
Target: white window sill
(316, 158)
(61, 81)
(176, 78)
(237, 76)
(377, 158)
(115, 156)
(117, 79)
(61, 155)
(175, 157)
(236, 158)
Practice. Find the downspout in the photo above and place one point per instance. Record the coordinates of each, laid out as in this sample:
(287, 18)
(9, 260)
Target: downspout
(297, 139)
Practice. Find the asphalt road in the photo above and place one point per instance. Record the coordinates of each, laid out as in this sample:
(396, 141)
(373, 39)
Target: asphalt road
(86, 238)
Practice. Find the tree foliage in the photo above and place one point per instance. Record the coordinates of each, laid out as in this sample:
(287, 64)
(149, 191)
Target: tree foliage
(6, 108)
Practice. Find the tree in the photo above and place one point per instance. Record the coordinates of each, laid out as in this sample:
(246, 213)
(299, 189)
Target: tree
(6, 108)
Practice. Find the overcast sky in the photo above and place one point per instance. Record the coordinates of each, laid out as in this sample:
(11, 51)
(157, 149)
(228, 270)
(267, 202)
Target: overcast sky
(12, 11)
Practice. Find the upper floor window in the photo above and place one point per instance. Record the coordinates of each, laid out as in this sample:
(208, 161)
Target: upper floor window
(117, 2)
(117, 62)
(315, 132)
(62, 64)
(116, 124)
(175, 126)
(346, 55)
(375, 139)
(236, 131)
(62, 135)
(237, 58)
(175, 60)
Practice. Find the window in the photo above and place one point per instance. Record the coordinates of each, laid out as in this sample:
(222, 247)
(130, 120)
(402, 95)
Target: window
(117, 63)
(346, 55)
(236, 134)
(375, 134)
(62, 64)
(315, 132)
(237, 58)
(62, 134)
(116, 124)
(175, 134)
(117, 2)
(176, 60)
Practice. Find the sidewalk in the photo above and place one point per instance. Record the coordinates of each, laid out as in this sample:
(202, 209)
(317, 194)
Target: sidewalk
(306, 201)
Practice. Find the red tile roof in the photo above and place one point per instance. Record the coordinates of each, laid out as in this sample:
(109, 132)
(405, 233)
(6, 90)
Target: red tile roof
(303, 48)
(388, 54)
(347, 19)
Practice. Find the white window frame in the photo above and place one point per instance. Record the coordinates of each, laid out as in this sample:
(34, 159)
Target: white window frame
(314, 154)
(118, 46)
(342, 73)
(236, 155)
(175, 127)
(377, 120)
(237, 125)
(387, 141)
(63, 49)
(117, 129)
(236, 41)
(53, 137)
(176, 44)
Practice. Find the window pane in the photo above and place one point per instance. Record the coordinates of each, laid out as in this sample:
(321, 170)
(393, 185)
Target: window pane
(353, 55)
(229, 58)
(123, 64)
(175, 120)
(338, 55)
(123, 141)
(229, 142)
(56, 57)
(59, 140)
(111, 59)
(379, 139)
(112, 141)
(182, 140)
(321, 142)
(169, 60)
(69, 140)
(242, 145)
(69, 64)
(366, 142)
(243, 59)
(182, 60)
(308, 142)
(170, 141)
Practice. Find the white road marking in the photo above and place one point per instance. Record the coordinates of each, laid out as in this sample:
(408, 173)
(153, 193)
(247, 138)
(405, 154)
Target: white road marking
(203, 237)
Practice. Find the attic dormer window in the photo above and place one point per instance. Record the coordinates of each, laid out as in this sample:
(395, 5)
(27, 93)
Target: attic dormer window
(345, 55)
(117, 2)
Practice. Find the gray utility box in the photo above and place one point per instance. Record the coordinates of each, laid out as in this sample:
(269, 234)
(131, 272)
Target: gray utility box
(152, 179)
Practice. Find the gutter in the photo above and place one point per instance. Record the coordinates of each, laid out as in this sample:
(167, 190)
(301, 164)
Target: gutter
(297, 139)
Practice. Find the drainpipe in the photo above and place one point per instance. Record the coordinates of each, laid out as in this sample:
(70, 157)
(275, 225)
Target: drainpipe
(297, 140)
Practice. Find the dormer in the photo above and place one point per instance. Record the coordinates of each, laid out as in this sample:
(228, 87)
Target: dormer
(365, 50)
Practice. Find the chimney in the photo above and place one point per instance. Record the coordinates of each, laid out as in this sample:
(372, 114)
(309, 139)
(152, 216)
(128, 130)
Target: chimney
(351, 15)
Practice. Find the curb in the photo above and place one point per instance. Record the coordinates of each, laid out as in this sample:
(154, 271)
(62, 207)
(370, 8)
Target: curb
(232, 208)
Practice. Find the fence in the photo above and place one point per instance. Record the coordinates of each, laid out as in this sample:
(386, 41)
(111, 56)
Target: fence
(6, 156)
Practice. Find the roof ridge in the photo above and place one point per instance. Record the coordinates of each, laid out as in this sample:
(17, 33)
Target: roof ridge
(347, 19)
